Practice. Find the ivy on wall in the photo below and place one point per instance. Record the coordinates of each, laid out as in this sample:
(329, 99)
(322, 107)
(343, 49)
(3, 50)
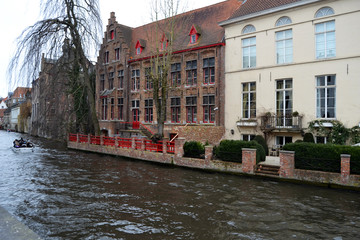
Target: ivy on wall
(337, 133)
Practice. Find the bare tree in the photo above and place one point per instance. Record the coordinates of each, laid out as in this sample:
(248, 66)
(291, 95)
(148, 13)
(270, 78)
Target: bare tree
(75, 23)
(164, 34)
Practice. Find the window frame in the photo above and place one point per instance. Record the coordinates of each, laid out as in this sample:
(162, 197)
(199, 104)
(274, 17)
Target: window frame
(111, 80)
(209, 71)
(176, 74)
(246, 96)
(248, 49)
(135, 80)
(208, 108)
(121, 78)
(326, 97)
(120, 108)
(326, 34)
(149, 111)
(284, 47)
(191, 109)
(175, 105)
(191, 73)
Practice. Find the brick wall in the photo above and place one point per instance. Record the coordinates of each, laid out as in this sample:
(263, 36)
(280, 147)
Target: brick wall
(211, 134)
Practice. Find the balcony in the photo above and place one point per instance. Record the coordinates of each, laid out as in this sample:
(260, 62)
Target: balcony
(281, 123)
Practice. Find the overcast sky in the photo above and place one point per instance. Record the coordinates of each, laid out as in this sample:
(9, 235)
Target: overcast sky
(17, 15)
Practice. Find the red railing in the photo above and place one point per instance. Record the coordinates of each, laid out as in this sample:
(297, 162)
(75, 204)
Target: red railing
(124, 142)
(153, 147)
(109, 141)
(83, 138)
(95, 140)
(72, 137)
(170, 147)
(138, 143)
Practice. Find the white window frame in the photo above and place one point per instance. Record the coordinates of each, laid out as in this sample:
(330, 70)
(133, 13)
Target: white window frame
(326, 34)
(326, 97)
(248, 93)
(284, 42)
(248, 47)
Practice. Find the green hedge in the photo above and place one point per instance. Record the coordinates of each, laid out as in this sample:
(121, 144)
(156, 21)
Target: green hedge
(231, 150)
(261, 140)
(194, 149)
(324, 157)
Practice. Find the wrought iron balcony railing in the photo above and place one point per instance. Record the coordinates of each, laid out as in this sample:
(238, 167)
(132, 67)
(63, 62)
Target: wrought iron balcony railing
(281, 122)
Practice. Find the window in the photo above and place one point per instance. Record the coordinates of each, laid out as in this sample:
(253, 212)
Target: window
(249, 100)
(325, 11)
(208, 105)
(148, 81)
(111, 80)
(175, 109)
(248, 137)
(164, 44)
(176, 74)
(135, 78)
(117, 54)
(248, 29)
(284, 103)
(321, 140)
(104, 108)
(325, 96)
(120, 108)
(249, 52)
(112, 35)
(112, 108)
(284, 47)
(282, 140)
(135, 104)
(121, 78)
(102, 82)
(209, 70)
(193, 38)
(283, 21)
(191, 73)
(148, 110)
(106, 57)
(191, 110)
(325, 40)
(138, 50)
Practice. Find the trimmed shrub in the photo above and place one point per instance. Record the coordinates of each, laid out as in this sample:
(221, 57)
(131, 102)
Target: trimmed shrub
(308, 137)
(324, 157)
(231, 150)
(261, 140)
(194, 149)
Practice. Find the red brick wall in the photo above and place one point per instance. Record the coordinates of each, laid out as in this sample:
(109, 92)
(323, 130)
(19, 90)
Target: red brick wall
(210, 134)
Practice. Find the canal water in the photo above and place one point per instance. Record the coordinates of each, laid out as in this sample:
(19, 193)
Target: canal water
(63, 194)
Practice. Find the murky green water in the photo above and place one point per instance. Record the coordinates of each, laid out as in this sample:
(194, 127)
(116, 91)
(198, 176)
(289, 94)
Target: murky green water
(64, 194)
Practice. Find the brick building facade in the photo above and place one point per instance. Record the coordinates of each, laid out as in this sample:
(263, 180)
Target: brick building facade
(196, 77)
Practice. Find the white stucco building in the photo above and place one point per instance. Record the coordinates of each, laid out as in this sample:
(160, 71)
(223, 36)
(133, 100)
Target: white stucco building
(289, 62)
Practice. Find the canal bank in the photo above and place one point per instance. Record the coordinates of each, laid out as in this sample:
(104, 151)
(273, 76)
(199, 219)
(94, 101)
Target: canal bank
(13, 229)
(285, 171)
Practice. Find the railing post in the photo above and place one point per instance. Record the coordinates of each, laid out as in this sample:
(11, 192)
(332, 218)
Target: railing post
(101, 140)
(133, 144)
(287, 164)
(164, 145)
(345, 168)
(143, 144)
(116, 142)
(208, 152)
(179, 147)
(248, 160)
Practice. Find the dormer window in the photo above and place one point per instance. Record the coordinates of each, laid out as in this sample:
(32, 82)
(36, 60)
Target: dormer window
(194, 35)
(140, 45)
(164, 42)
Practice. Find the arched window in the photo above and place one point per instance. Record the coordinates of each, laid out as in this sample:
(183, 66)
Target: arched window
(248, 29)
(325, 11)
(283, 21)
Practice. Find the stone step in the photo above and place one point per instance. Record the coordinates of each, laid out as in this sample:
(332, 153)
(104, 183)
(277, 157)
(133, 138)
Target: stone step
(267, 170)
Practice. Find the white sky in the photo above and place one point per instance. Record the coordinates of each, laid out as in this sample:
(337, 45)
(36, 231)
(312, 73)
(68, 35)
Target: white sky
(17, 15)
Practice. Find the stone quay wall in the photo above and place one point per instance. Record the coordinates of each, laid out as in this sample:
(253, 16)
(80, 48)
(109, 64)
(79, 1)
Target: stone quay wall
(287, 163)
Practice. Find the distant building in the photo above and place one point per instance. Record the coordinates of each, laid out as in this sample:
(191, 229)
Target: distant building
(3, 107)
(14, 118)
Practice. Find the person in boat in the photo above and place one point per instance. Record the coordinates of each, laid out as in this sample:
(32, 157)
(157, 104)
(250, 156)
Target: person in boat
(16, 143)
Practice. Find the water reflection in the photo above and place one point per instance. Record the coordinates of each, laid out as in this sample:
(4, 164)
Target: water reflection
(64, 194)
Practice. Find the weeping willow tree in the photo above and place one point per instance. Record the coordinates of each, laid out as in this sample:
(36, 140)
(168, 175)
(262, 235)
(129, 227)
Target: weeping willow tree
(77, 24)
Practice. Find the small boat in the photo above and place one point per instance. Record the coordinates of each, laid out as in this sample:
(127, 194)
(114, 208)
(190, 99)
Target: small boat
(23, 146)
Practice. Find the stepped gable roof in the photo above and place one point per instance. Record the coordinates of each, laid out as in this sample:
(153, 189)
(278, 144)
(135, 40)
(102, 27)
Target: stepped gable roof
(205, 20)
(255, 6)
